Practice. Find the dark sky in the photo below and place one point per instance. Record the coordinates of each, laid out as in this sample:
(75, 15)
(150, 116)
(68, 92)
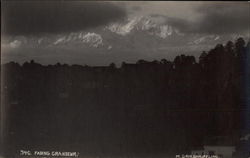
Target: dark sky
(199, 17)
(79, 32)
(35, 18)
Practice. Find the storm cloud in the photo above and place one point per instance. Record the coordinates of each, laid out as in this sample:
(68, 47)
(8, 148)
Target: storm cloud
(37, 17)
(224, 18)
(216, 18)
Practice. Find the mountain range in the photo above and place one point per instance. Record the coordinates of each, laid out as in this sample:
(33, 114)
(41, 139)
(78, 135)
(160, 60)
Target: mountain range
(147, 37)
(140, 31)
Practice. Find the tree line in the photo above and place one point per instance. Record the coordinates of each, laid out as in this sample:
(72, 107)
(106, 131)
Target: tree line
(143, 107)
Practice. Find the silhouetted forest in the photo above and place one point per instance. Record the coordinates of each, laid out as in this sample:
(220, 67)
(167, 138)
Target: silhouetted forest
(145, 107)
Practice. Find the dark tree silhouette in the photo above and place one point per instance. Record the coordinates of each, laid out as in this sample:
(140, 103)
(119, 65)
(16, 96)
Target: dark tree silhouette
(149, 106)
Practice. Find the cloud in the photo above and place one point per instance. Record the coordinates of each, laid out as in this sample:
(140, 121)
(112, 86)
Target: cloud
(15, 44)
(136, 8)
(227, 17)
(10, 44)
(37, 17)
(215, 18)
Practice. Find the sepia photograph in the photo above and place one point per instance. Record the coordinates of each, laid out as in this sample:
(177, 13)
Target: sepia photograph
(125, 79)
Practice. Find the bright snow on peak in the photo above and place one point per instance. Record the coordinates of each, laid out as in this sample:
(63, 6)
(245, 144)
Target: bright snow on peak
(148, 24)
(93, 39)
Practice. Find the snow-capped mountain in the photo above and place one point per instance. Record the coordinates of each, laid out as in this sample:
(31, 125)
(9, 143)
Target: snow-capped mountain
(205, 39)
(90, 38)
(148, 24)
(140, 33)
(93, 39)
